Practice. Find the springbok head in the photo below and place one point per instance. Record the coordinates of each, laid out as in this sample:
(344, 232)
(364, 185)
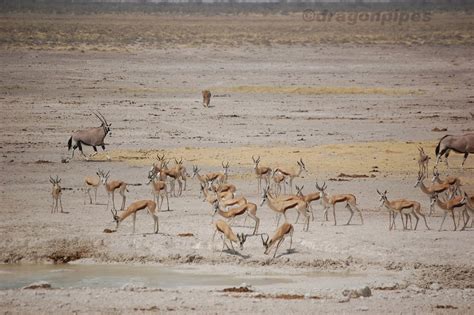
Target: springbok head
(105, 177)
(256, 160)
(265, 239)
(115, 216)
(226, 167)
(322, 189)
(299, 190)
(195, 170)
(301, 164)
(383, 197)
(242, 238)
(54, 181)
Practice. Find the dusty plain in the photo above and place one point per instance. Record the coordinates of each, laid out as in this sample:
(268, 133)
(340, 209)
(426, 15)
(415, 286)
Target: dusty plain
(345, 105)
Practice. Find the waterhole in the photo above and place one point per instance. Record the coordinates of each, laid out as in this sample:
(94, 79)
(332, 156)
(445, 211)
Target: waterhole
(116, 276)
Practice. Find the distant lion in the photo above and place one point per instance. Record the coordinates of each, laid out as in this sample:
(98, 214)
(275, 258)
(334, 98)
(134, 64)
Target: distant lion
(206, 98)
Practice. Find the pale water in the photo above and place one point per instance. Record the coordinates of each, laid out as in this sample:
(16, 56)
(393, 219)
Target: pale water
(116, 276)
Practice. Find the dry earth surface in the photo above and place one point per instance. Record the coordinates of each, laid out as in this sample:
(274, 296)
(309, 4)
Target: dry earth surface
(349, 109)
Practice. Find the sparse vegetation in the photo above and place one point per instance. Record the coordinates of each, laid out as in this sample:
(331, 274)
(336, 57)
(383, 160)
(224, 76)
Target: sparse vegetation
(132, 31)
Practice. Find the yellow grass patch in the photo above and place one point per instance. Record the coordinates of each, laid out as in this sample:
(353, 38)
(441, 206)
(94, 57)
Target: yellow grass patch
(315, 90)
(380, 159)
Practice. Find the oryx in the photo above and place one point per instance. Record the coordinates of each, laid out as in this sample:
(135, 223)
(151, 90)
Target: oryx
(91, 136)
(459, 144)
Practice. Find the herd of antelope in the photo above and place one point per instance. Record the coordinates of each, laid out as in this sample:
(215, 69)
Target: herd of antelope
(276, 188)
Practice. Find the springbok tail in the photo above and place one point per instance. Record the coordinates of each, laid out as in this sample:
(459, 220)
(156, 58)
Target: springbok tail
(69, 144)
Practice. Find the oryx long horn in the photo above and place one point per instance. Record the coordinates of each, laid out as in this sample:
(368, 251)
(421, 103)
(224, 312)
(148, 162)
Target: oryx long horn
(101, 119)
(105, 120)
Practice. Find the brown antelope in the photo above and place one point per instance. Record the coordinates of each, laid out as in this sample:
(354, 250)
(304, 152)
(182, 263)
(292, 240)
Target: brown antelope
(281, 233)
(211, 197)
(454, 190)
(309, 198)
(222, 177)
(280, 206)
(451, 180)
(249, 208)
(206, 179)
(402, 206)
(331, 201)
(174, 174)
(278, 178)
(292, 173)
(206, 98)
(459, 144)
(92, 183)
(92, 136)
(431, 191)
(450, 205)
(224, 187)
(227, 233)
(262, 172)
(469, 209)
(181, 169)
(423, 161)
(111, 187)
(133, 208)
(56, 193)
(158, 189)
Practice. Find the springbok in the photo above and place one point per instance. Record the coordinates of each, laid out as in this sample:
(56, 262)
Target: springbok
(224, 187)
(182, 171)
(280, 206)
(133, 208)
(469, 209)
(431, 191)
(449, 206)
(201, 178)
(286, 229)
(173, 173)
(206, 98)
(459, 144)
(291, 173)
(278, 178)
(423, 161)
(56, 194)
(262, 172)
(451, 180)
(222, 177)
(91, 137)
(158, 189)
(92, 183)
(328, 201)
(225, 229)
(248, 208)
(309, 198)
(111, 187)
(404, 207)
